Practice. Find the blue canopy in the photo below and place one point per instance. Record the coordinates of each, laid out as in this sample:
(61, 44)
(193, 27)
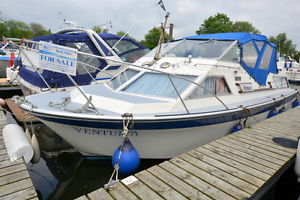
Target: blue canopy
(258, 55)
(241, 37)
(55, 79)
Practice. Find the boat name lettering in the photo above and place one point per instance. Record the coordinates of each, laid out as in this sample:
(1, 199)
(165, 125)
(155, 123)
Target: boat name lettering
(103, 132)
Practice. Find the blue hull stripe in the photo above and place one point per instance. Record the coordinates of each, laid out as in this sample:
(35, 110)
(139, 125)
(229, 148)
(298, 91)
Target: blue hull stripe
(181, 122)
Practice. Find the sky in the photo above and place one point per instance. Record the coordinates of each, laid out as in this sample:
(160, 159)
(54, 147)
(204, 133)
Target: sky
(137, 17)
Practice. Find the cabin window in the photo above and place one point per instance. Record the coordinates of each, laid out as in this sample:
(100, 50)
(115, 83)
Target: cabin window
(265, 62)
(122, 78)
(280, 82)
(85, 63)
(157, 84)
(249, 54)
(213, 85)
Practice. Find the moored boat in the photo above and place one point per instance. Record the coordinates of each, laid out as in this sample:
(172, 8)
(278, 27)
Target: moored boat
(179, 96)
(33, 79)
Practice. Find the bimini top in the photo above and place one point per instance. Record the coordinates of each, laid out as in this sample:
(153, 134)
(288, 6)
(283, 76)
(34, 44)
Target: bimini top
(110, 39)
(125, 48)
(258, 55)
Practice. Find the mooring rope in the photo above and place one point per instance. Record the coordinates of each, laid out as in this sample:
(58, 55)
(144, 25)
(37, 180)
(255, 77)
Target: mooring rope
(127, 121)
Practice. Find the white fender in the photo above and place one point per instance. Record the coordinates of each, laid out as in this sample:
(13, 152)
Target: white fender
(36, 149)
(28, 135)
(297, 163)
(16, 143)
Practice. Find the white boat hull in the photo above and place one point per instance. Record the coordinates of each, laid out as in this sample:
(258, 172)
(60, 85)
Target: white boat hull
(162, 143)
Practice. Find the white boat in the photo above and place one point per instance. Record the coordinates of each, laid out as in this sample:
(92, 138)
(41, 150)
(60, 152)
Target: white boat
(290, 68)
(88, 43)
(9, 51)
(195, 91)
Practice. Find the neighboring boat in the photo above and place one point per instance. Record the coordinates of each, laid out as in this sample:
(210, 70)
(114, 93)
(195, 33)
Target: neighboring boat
(196, 90)
(9, 51)
(34, 79)
(289, 67)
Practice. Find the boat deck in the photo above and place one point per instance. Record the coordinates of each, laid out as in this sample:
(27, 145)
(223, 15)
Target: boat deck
(241, 165)
(15, 182)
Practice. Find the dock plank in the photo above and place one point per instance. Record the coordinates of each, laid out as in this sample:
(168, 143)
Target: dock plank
(4, 180)
(15, 182)
(100, 194)
(121, 192)
(187, 190)
(196, 160)
(20, 115)
(195, 182)
(240, 170)
(264, 139)
(12, 169)
(26, 194)
(15, 187)
(262, 150)
(240, 157)
(210, 178)
(248, 141)
(142, 190)
(159, 186)
(7, 163)
(241, 147)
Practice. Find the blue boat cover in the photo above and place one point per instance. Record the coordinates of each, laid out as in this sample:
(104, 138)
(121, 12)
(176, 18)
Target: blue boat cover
(55, 79)
(257, 71)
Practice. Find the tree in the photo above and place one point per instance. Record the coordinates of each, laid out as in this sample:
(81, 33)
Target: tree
(122, 33)
(98, 29)
(219, 23)
(3, 30)
(16, 29)
(242, 26)
(152, 37)
(284, 45)
(37, 29)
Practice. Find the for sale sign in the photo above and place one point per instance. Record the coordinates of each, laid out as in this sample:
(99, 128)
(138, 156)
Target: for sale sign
(57, 58)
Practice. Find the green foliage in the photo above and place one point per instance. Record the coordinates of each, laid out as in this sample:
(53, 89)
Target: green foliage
(284, 45)
(122, 33)
(15, 29)
(38, 29)
(152, 38)
(98, 29)
(18, 29)
(241, 26)
(219, 23)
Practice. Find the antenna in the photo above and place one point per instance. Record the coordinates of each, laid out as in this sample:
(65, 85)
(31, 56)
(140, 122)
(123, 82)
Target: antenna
(161, 38)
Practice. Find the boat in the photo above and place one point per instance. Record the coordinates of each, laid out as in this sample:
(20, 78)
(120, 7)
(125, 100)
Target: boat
(290, 68)
(9, 51)
(33, 79)
(180, 95)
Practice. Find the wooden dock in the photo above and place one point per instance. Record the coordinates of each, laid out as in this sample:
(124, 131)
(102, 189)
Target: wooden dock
(242, 165)
(15, 182)
(20, 114)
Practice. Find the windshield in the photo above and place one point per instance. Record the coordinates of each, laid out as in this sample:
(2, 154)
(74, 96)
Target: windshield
(126, 49)
(195, 48)
(160, 85)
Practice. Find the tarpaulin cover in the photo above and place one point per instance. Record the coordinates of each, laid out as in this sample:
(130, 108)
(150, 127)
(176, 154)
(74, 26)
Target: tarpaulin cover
(258, 72)
(55, 79)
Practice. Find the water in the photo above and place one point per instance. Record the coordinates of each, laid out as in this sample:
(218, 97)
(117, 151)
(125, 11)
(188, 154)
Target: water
(71, 175)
